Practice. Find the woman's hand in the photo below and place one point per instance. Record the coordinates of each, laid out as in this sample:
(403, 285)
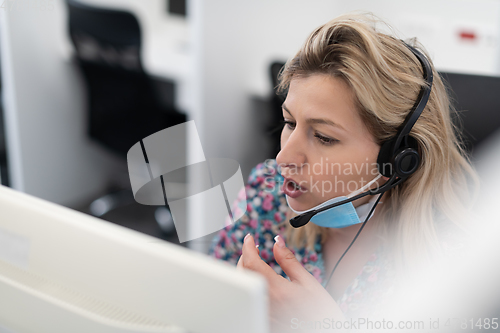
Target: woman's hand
(301, 299)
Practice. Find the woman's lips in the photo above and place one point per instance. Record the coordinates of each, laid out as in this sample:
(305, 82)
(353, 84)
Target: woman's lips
(292, 189)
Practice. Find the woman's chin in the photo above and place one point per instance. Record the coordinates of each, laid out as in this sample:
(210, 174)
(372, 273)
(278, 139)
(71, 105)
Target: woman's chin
(305, 202)
(299, 204)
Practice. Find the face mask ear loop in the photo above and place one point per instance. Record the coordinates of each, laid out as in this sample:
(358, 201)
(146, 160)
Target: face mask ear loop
(364, 187)
(352, 242)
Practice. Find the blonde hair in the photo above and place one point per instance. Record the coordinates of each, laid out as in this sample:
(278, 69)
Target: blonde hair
(386, 78)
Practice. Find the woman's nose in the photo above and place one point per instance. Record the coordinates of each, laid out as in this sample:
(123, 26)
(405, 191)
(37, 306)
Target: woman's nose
(292, 153)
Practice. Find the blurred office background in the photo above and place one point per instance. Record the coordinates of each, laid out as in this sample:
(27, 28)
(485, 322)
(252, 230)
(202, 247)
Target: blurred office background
(83, 80)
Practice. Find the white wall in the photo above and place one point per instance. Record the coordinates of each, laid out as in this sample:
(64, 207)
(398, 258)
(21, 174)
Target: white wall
(50, 155)
(438, 24)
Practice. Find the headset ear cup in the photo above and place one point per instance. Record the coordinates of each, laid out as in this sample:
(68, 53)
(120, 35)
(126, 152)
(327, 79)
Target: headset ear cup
(384, 159)
(407, 160)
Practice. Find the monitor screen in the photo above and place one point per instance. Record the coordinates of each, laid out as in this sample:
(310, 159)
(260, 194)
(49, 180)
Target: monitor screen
(64, 271)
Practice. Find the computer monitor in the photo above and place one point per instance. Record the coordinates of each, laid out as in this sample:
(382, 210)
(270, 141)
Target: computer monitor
(64, 271)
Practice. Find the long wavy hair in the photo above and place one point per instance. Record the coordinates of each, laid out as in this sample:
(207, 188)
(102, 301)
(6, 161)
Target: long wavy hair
(386, 78)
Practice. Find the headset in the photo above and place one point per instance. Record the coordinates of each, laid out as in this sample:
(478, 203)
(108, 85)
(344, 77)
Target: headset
(398, 157)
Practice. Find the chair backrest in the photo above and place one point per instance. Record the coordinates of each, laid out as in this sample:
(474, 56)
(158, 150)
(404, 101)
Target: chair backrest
(108, 37)
(124, 106)
(275, 125)
(478, 102)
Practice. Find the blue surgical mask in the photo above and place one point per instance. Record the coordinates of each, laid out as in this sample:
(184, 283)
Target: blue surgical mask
(344, 215)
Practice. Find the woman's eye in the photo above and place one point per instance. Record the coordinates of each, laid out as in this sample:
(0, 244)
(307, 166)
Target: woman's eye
(324, 140)
(289, 124)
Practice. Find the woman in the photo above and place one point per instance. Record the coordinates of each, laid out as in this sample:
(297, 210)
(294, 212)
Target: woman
(349, 89)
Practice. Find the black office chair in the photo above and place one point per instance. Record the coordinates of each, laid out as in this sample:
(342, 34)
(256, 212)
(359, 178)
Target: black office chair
(477, 100)
(124, 103)
(4, 176)
(275, 126)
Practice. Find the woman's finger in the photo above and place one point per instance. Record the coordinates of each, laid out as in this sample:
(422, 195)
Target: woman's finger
(252, 260)
(240, 264)
(290, 265)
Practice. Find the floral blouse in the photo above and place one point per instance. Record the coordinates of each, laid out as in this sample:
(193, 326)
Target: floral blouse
(265, 218)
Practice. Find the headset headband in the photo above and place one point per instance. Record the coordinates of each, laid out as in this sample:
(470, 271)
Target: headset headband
(421, 100)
